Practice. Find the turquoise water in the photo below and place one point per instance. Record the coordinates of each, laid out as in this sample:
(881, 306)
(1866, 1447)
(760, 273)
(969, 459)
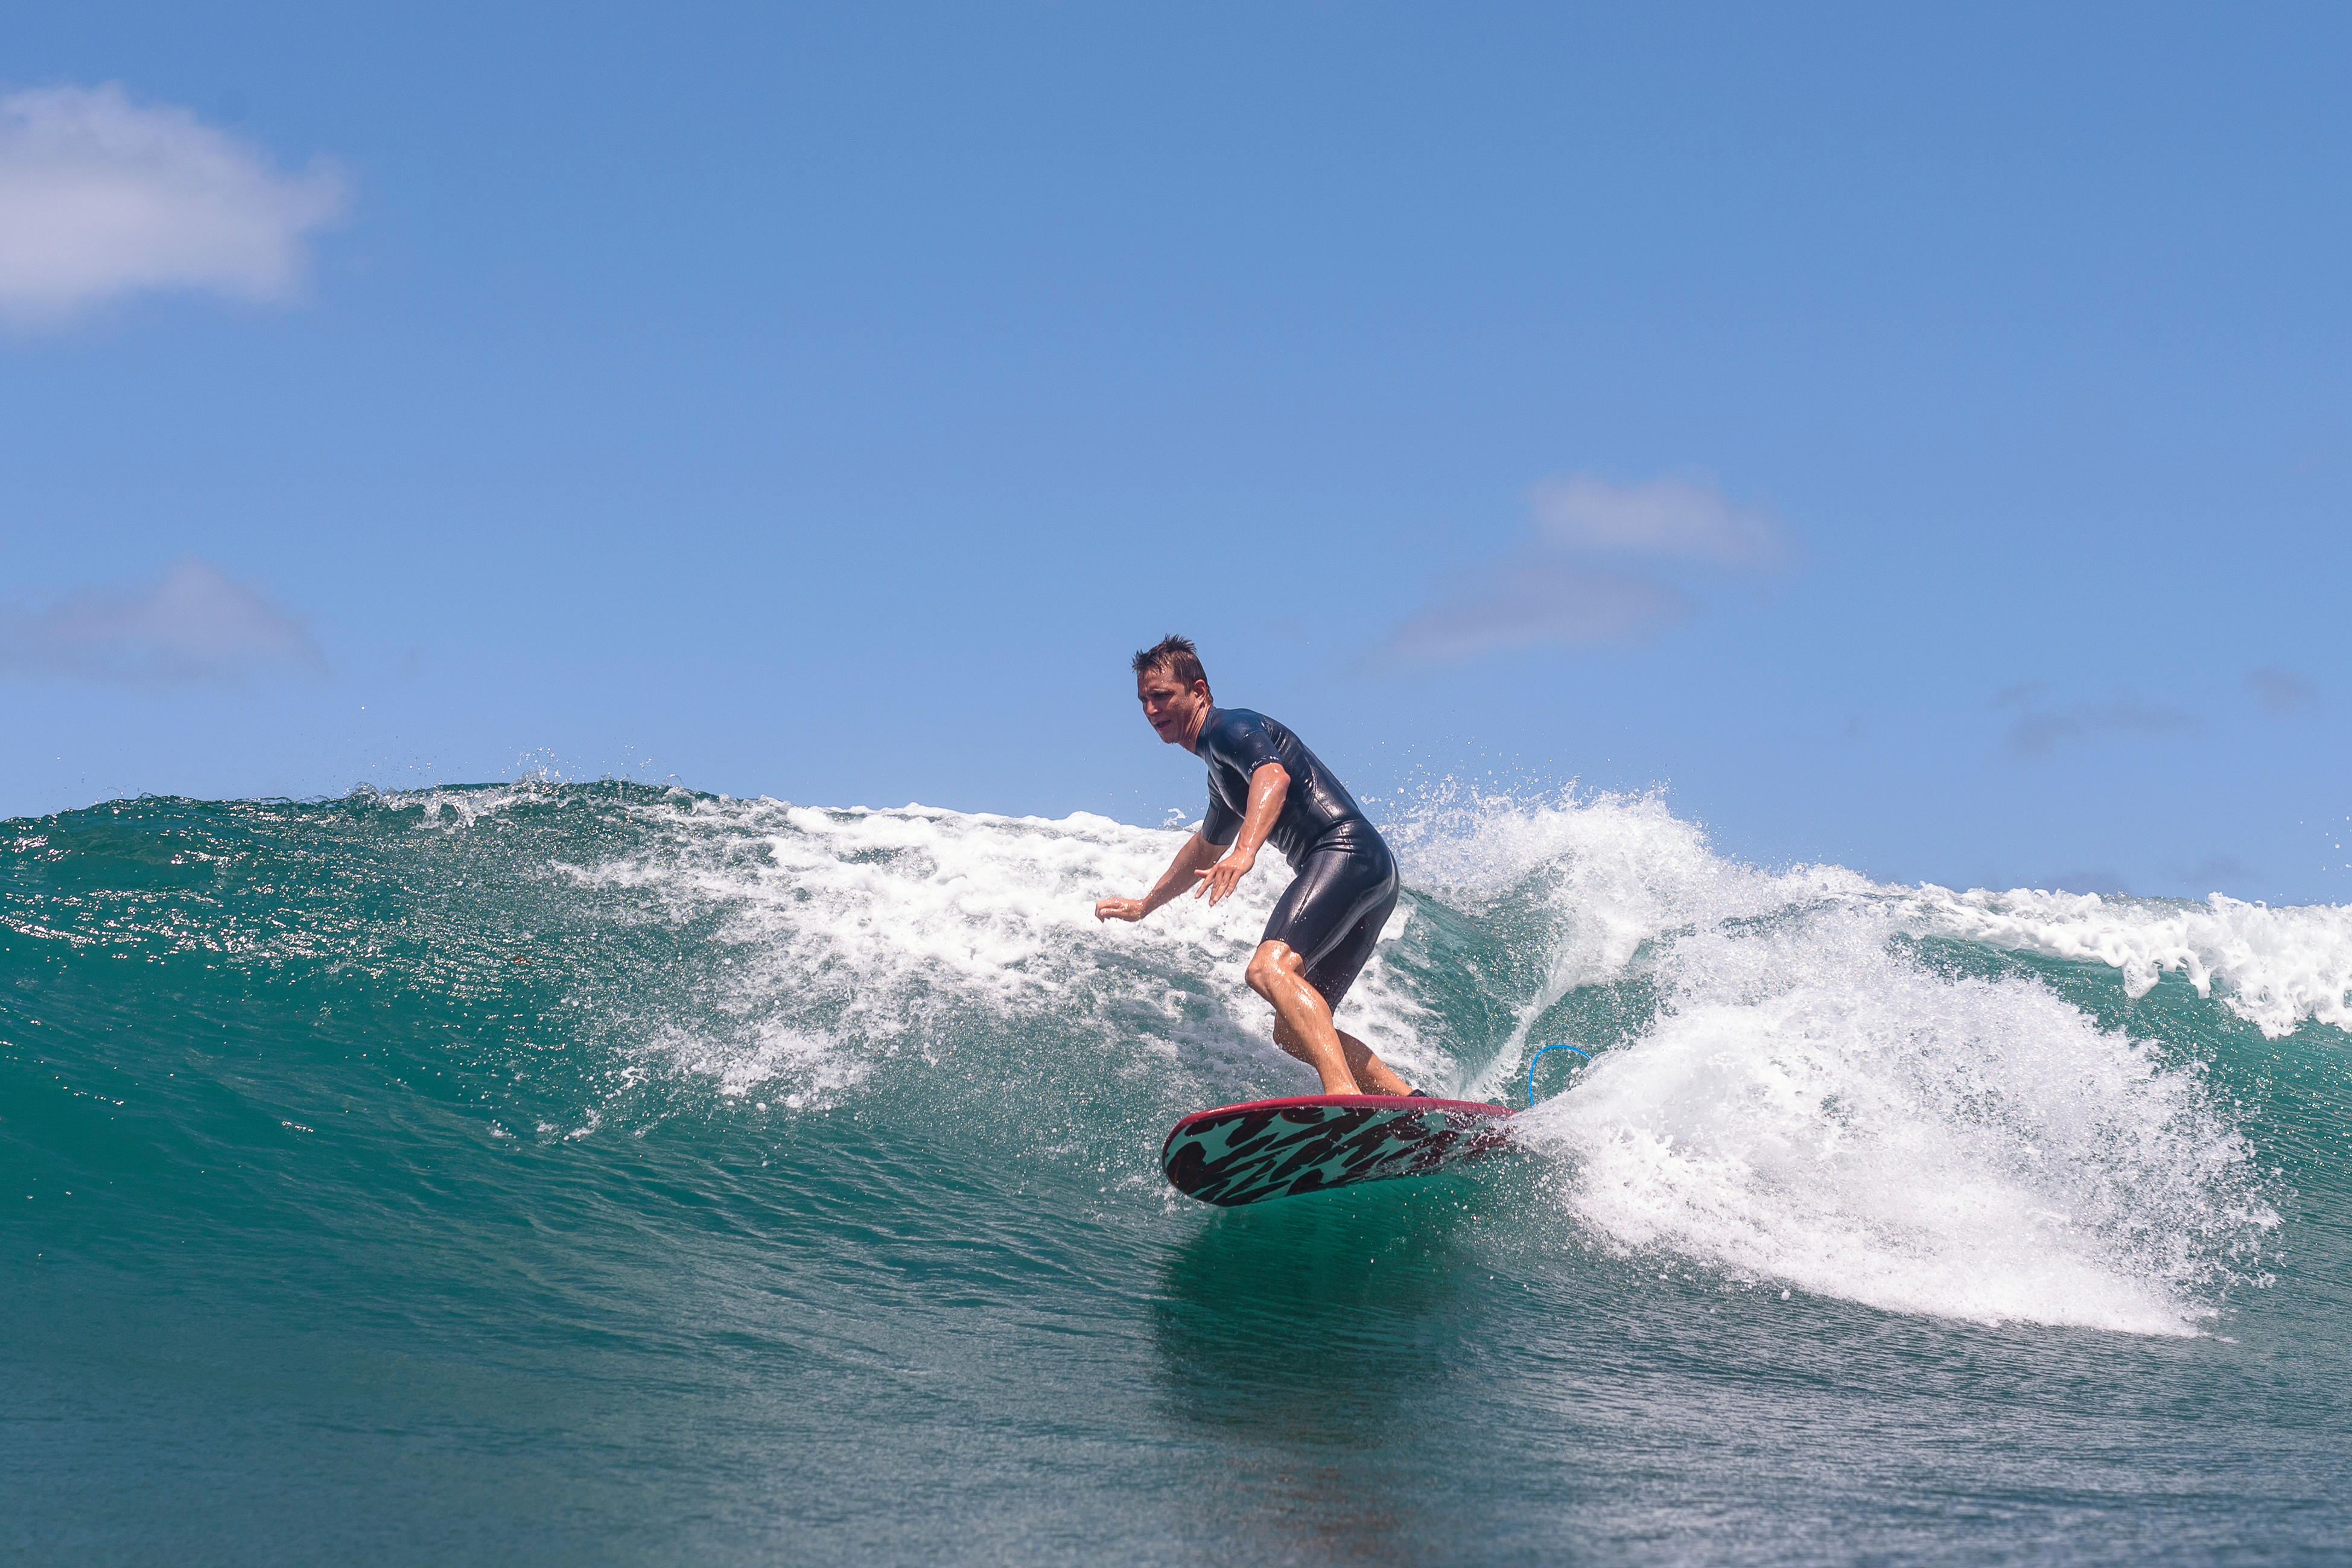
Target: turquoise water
(593, 1173)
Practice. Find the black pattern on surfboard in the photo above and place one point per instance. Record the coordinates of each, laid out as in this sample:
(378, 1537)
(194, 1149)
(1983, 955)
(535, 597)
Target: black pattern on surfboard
(1277, 1148)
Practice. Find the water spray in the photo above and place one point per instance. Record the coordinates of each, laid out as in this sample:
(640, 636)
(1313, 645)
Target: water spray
(1538, 1057)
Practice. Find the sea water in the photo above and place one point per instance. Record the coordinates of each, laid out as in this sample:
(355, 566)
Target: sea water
(597, 1173)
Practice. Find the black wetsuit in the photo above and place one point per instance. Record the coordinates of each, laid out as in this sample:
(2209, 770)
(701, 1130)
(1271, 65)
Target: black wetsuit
(1346, 887)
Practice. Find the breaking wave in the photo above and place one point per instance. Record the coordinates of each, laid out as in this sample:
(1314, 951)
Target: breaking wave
(1887, 1095)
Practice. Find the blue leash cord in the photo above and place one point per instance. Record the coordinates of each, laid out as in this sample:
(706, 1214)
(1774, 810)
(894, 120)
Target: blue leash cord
(1538, 1057)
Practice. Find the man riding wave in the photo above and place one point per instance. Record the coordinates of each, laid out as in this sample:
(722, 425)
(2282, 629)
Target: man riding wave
(1266, 786)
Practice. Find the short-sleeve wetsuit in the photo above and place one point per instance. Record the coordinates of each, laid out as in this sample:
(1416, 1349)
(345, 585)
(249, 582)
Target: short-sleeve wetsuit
(1347, 884)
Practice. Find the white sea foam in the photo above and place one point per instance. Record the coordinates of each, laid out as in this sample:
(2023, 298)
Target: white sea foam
(858, 934)
(1802, 1099)
(2276, 968)
(1810, 1105)
(1613, 873)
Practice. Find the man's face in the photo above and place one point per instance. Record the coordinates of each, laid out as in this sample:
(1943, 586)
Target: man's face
(1169, 704)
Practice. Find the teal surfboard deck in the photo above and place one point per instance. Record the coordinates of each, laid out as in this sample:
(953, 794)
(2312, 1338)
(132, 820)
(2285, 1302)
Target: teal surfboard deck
(1275, 1148)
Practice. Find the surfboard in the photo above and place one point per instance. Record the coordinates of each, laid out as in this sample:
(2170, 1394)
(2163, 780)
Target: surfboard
(1312, 1143)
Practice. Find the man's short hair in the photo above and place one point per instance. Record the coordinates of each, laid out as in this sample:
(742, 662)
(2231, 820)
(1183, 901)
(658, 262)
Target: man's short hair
(1174, 654)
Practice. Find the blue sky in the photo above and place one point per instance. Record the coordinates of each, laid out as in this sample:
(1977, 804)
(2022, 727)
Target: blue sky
(1921, 442)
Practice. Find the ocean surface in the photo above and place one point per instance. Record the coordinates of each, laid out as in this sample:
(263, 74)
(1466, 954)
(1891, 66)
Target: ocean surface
(594, 1173)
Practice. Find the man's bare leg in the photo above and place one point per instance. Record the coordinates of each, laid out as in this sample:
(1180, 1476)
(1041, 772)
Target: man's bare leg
(1303, 1027)
(1377, 1076)
(1372, 1075)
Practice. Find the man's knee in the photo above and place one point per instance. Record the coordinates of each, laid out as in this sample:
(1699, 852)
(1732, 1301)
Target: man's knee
(1272, 961)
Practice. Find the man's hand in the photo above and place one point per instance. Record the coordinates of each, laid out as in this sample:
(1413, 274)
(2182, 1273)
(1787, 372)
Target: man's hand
(1189, 860)
(1218, 881)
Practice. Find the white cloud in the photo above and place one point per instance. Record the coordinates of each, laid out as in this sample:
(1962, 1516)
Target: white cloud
(1575, 578)
(195, 624)
(1533, 602)
(1677, 518)
(101, 197)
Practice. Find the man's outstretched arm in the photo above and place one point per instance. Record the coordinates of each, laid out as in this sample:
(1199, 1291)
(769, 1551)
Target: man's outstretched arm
(1196, 853)
(1269, 786)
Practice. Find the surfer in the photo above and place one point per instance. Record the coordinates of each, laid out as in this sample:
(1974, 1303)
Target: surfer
(1266, 786)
